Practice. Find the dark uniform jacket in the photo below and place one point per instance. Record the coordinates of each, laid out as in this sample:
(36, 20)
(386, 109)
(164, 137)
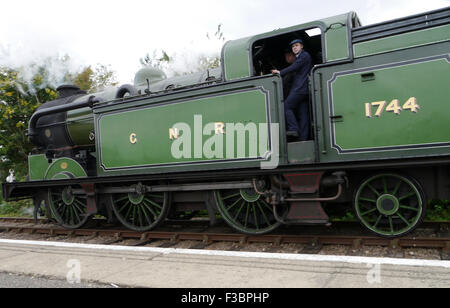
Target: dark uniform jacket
(287, 83)
(301, 68)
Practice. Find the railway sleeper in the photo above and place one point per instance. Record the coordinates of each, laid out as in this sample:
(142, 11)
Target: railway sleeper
(445, 252)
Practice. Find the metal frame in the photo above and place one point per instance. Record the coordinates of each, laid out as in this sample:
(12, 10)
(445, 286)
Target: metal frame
(28, 189)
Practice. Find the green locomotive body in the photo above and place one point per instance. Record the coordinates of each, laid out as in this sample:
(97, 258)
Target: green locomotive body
(381, 138)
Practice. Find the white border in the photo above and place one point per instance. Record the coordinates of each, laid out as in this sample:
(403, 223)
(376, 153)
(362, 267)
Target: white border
(240, 254)
(377, 68)
(234, 91)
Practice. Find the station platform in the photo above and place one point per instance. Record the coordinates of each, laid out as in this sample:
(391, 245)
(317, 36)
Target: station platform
(186, 268)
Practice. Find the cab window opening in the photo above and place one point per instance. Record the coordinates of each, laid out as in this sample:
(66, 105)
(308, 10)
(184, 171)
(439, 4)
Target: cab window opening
(269, 53)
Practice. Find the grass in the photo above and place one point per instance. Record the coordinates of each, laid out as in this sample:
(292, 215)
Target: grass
(437, 210)
(22, 208)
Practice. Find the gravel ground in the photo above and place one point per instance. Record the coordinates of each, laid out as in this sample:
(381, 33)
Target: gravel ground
(366, 251)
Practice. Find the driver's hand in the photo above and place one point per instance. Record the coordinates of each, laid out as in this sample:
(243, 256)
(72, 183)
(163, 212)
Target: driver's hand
(275, 72)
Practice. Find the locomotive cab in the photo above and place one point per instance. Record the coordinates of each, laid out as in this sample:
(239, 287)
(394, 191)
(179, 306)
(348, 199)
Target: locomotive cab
(272, 52)
(269, 53)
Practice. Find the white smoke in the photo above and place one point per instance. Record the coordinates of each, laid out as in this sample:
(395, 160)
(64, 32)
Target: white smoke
(27, 211)
(31, 62)
(187, 62)
(191, 58)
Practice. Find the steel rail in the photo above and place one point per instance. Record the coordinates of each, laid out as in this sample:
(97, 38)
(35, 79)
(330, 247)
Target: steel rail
(209, 238)
(437, 225)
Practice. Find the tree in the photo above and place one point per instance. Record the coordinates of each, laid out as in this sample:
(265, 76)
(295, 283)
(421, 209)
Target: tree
(167, 63)
(23, 90)
(18, 101)
(156, 61)
(95, 80)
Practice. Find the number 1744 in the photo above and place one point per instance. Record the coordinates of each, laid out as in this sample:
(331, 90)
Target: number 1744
(394, 106)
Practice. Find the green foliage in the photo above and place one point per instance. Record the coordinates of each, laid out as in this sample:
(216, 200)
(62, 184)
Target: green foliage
(160, 59)
(206, 62)
(213, 62)
(218, 35)
(23, 90)
(16, 209)
(438, 210)
(94, 80)
(347, 216)
(18, 100)
(103, 77)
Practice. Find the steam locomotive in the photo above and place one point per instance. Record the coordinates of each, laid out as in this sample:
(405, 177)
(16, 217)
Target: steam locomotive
(216, 141)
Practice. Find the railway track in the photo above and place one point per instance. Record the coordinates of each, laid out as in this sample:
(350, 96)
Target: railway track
(203, 239)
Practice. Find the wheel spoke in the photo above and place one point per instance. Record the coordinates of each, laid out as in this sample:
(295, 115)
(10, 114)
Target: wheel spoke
(151, 210)
(63, 214)
(262, 212)
(385, 185)
(404, 220)
(246, 215)
(70, 213)
(391, 224)
(59, 207)
(124, 206)
(80, 203)
(231, 196)
(374, 190)
(145, 213)
(139, 215)
(129, 211)
(256, 220)
(153, 203)
(368, 200)
(122, 199)
(231, 206)
(133, 217)
(378, 221)
(76, 213)
(409, 208)
(407, 196)
(240, 209)
(267, 206)
(397, 188)
(369, 212)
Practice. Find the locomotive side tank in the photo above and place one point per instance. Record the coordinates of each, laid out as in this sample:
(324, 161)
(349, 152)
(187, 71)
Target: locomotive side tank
(216, 140)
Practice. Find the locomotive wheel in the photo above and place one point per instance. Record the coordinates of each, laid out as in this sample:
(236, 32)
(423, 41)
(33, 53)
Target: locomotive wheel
(390, 205)
(69, 209)
(246, 211)
(141, 212)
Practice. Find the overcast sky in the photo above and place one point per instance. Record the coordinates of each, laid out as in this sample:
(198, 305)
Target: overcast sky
(119, 33)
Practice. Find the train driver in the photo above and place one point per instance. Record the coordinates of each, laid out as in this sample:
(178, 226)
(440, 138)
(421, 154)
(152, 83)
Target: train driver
(297, 102)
